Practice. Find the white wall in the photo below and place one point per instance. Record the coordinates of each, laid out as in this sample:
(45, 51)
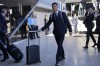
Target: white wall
(40, 19)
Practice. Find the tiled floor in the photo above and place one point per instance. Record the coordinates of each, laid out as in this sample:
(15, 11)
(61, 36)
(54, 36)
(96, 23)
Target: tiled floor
(75, 54)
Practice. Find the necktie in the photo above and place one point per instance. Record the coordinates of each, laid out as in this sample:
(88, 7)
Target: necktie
(55, 16)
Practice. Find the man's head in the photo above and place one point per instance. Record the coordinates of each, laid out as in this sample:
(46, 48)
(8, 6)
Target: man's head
(4, 11)
(55, 7)
(90, 10)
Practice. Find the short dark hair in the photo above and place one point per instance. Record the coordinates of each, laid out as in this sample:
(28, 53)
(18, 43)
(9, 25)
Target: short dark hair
(55, 3)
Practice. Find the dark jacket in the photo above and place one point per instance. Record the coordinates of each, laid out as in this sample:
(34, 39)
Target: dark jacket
(59, 24)
(98, 23)
(3, 24)
(89, 20)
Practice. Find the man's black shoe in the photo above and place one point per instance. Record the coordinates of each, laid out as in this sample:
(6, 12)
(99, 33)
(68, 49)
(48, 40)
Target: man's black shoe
(94, 45)
(38, 37)
(57, 63)
(4, 59)
(85, 47)
(62, 58)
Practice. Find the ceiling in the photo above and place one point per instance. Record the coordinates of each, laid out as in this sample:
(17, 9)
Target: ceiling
(68, 1)
(11, 3)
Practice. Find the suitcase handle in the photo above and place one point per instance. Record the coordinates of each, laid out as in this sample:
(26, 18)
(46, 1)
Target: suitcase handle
(29, 36)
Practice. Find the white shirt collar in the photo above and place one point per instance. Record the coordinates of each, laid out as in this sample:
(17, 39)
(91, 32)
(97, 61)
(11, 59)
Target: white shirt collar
(57, 12)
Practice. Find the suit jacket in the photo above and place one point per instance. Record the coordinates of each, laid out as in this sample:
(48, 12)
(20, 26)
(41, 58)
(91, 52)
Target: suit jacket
(98, 23)
(3, 23)
(60, 26)
(89, 20)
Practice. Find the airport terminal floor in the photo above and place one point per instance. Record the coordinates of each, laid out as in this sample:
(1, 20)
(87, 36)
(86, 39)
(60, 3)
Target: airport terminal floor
(74, 53)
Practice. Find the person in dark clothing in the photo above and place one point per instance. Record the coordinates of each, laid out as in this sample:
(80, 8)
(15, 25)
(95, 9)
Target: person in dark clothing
(98, 30)
(23, 30)
(88, 22)
(61, 23)
(3, 33)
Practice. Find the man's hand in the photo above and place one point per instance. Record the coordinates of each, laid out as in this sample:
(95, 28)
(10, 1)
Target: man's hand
(70, 33)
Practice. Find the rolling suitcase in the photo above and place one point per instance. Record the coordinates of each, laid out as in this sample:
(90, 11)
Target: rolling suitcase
(32, 51)
(15, 52)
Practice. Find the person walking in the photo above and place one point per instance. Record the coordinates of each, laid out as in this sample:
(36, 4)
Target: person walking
(74, 21)
(3, 33)
(88, 22)
(98, 30)
(61, 23)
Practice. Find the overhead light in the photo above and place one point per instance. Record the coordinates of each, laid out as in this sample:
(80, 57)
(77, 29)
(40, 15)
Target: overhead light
(1, 4)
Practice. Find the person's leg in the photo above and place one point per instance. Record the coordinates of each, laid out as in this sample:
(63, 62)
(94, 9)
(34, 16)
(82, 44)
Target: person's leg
(4, 51)
(30, 34)
(91, 35)
(98, 44)
(76, 31)
(57, 40)
(61, 39)
(25, 31)
(33, 29)
(87, 39)
(22, 32)
(60, 52)
(37, 32)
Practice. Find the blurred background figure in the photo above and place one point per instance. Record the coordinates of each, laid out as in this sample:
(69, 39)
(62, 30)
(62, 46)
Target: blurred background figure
(33, 26)
(45, 22)
(98, 29)
(88, 22)
(74, 21)
(22, 29)
(36, 25)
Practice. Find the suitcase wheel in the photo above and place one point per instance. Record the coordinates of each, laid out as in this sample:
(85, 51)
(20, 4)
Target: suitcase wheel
(17, 61)
(39, 61)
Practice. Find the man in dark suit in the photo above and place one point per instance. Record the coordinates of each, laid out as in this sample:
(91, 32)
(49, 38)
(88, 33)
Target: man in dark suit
(3, 32)
(98, 29)
(61, 23)
(89, 25)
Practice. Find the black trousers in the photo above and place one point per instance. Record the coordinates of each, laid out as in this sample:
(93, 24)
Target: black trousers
(2, 48)
(60, 51)
(36, 28)
(23, 31)
(2, 42)
(99, 41)
(88, 35)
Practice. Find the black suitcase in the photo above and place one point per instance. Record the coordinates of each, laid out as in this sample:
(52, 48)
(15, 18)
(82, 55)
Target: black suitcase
(32, 53)
(15, 52)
